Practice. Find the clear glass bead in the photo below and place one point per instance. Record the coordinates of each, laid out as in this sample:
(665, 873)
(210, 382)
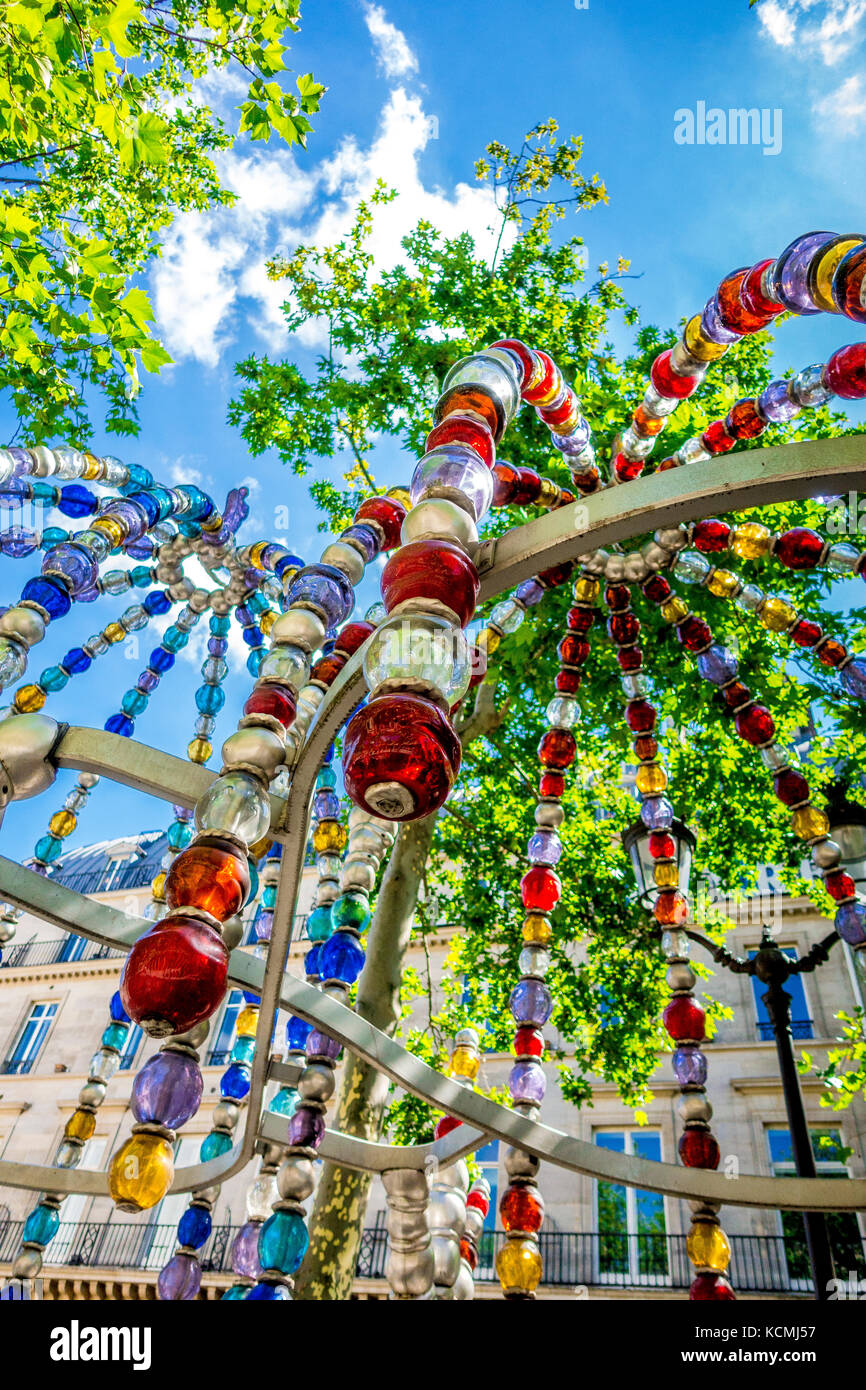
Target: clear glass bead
(103, 1065)
(692, 451)
(135, 618)
(235, 803)
(654, 403)
(675, 945)
(808, 387)
(843, 557)
(420, 647)
(115, 581)
(774, 757)
(376, 614)
(68, 1155)
(634, 445)
(635, 685)
(288, 664)
(261, 1197)
(214, 670)
(186, 619)
(534, 960)
(96, 645)
(508, 615)
(563, 712)
(205, 724)
(691, 567)
(94, 541)
(13, 661)
(750, 597)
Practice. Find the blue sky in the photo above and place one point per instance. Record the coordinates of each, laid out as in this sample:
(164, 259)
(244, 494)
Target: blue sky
(415, 92)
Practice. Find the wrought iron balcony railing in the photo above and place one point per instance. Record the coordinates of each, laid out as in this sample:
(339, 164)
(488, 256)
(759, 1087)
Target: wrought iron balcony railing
(66, 948)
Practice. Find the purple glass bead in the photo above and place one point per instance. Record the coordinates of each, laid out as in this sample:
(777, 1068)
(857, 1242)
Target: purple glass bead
(712, 325)
(263, 924)
(217, 646)
(527, 1081)
(853, 678)
(141, 549)
(245, 1251)
(180, 1279)
(148, 681)
(320, 1045)
(657, 813)
(365, 537)
(453, 468)
(244, 615)
(306, 1128)
(129, 514)
(573, 443)
(545, 847)
(87, 595)
(236, 509)
(790, 274)
(717, 664)
(326, 804)
(21, 459)
(18, 542)
(850, 923)
(531, 1002)
(167, 1090)
(776, 405)
(326, 588)
(690, 1066)
(76, 565)
(530, 592)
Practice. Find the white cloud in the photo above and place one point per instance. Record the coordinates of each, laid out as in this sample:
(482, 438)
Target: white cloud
(845, 108)
(392, 50)
(830, 27)
(778, 22)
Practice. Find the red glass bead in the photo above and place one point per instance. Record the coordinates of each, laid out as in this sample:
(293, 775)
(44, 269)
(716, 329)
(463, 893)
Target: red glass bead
(567, 682)
(175, 976)
(848, 284)
(464, 429)
(557, 749)
(626, 469)
(506, 484)
(524, 354)
(551, 784)
(274, 699)
(662, 845)
(326, 670)
(630, 658)
(623, 628)
(543, 388)
(210, 875)
(528, 1042)
(479, 1202)
(640, 716)
(617, 597)
(744, 420)
(572, 650)
(752, 296)
(711, 1288)
(468, 1252)
(755, 724)
(647, 426)
(832, 653)
(716, 438)
(353, 636)
(667, 382)
(565, 497)
(684, 1019)
(699, 1149)
(737, 694)
(711, 535)
(388, 513)
(540, 889)
(733, 312)
(645, 747)
(521, 1208)
(405, 739)
(806, 633)
(671, 908)
(790, 787)
(845, 372)
(432, 569)
(694, 633)
(657, 588)
(556, 415)
(557, 574)
(799, 548)
(580, 619)
(472, 398)
(445, 1126)
(840, 885)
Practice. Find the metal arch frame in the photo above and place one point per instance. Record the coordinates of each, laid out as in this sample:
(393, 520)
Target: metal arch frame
(608, 517)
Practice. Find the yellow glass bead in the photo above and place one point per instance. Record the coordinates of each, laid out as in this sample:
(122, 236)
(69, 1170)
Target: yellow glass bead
(260, 848)
(537, 930)
(776, 614)
(80, 1125)
(111, 528)
(488, 640)
(821, 282)
(247, 1021)
(810, 823)
(62, 823)
(699, 345)
(586, 590)
(256, 553)
(666, 875)
(707, 1247)
(328, 836)
(115, 632)
(141, 1172)
(157, 888)
(674, 610)
(751, 540)
(651, 779)
(723, 583)
(401, 495)
(29, 699)
(549, 494)
(213, 523)
(267, 620)
(93, 468)
(199, 750)
(465, 1062)
(518, 1266)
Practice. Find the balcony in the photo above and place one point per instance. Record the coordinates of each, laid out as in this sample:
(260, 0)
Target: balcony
(67, 948)
(801, 1028)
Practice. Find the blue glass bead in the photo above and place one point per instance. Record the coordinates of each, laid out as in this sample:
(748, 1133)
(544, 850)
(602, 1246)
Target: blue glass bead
(243, 615)
(210, 699)
(13, 493)
(342, 958)
(116, 1009)
(235, 1082)
(220, 626)
(88, 595)
(119, 724)
(41, 1224)
(297, 1032)
(115, 1035)
(853, 678)
(76, 661)
(657, 813)
(142, 549)
(850, 923)
(148, 504)
(138, 476)
(73, 563)
(48, 848)
(199, 507)
(134, 702)
(174, 639)
(283, 1242)
(530, 592)
(326, 804)
(157, 603)
(329, 755)
(327, 777)
(531, 1002)
(285, 1102)
(53, 678)
(311, 961)
(54, 535)
(46, 493)
(194, 1227)
(142, 576)
(268, 1293)
(76, 501)
(233, 1294)
(179, 834)
(287, 562)
(717, 664)
(257, 603)
(256, 660)
(160, 660)
(253, 636)
(18, 542)
(214, 1145)
(327, 588)
(250, 997)
(243, 1050)
(50, 593)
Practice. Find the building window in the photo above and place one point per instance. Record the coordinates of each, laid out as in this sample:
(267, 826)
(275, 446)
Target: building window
(845, 1239)
(631, 1224)
(30, 1039)
(224, 1036)
(801, 1023)
(130, 1047)
(73, 948)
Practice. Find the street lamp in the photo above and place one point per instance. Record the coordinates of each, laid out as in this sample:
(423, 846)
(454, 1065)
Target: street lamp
(636, 841)
(848, 829)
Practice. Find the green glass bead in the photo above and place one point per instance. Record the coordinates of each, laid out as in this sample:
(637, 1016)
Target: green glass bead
(351, 910)
(214, 1145)
(53, 678)
(319, 924)
(243, 1050)
(180, 832)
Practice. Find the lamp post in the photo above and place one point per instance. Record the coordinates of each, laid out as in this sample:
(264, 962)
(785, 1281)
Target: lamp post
(773, 968)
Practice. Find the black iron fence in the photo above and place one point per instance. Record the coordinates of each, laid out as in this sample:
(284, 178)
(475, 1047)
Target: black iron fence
(66, 948)
(759, 1264)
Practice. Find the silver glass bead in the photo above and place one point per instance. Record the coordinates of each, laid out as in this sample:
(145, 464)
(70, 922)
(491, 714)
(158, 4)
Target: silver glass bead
(439, 517)
(635, 568)
(255, 746)
(25, 625)
(299, 628)
(694, 1106)
(27, 1264)
(233, 932)
(25, 743)
(671, 537)
(692, 451)
(680, 976)
(826, 854)
(549, 815)
(346, 559)
(316, 1082)
(92, 1093)
(296, 1178)
(226, 1114)
(519, 1164)
(654, 557)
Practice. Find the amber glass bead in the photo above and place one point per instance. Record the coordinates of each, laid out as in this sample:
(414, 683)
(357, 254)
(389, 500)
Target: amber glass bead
(92, 468)
(645, 747)
(210, 876)
(737, 694)
(326, 670)
(744, 421)
(723, 583)
(647, 425)
(330, 837)
(114, 633)
(716, 439)
(640, 716)
(402, 739)
(823, 267)
(694, 633)
(671, 908)
(549, 494)
(665, 875)
(699, 345)
(141, 1172)
(62, 823)
(465, 1062)
(537, 930)
(557, 748)
(488, 640)
(673, 610)
(432, 569)
(518, 1266)
(586, 590)
(80, 1125)
(698, 1148)
(247, 1021)
(29, 699)
(521, 1208)
(460, 400)
(809, 823)
(401, 495)
(733, 312)
(800, 548)
(651, 779)
(707, 1247)
(755, 725)
(388, 514)
(667, 464)
(751, 540)
(617, 597)
(791, 787)
(257, 553)
(113, 530)
(468, 1253)
(567, 682)
(711, 1288)
(266, 621)
(832, 653)
(776, 614)
(199, 750)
